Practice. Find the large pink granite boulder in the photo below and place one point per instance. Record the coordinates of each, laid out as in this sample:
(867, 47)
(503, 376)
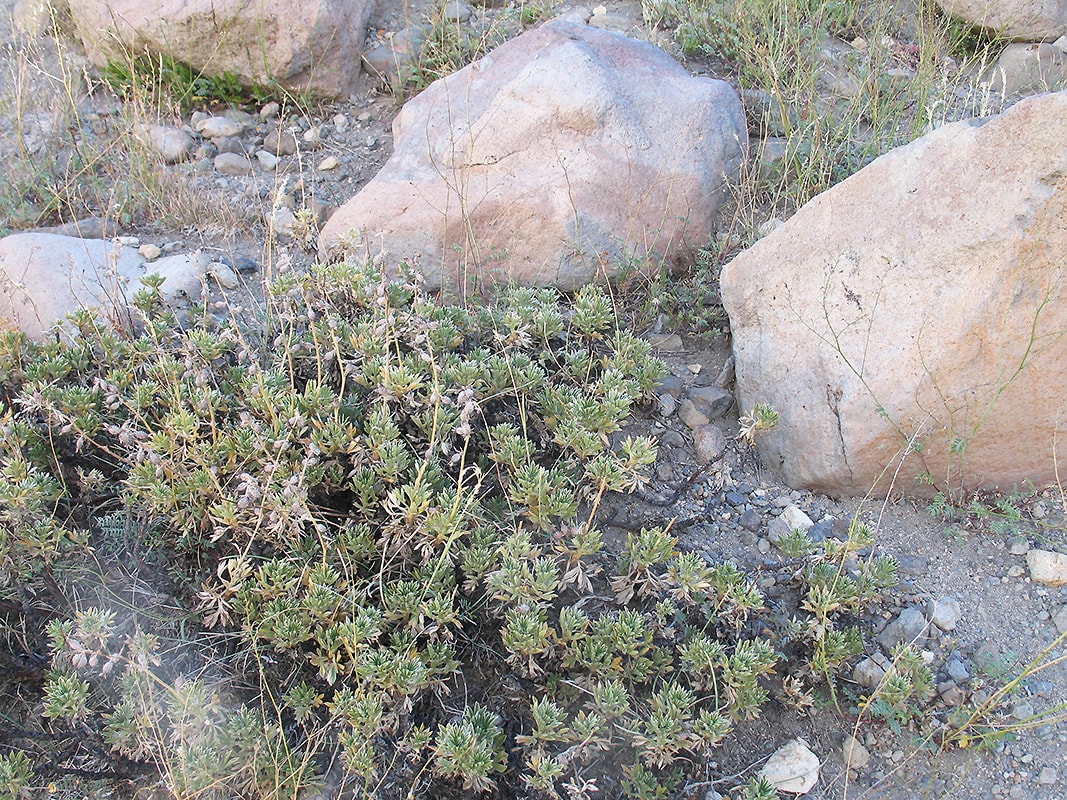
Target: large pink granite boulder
(1022, 20)
(909, 324)
(562, 157)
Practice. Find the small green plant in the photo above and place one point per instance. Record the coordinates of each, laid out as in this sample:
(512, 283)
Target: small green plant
(15, 775)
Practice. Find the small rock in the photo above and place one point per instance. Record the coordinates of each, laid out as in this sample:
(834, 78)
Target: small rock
(671, 384)
(329, 163)
(1060, 620)
(173, 144)
(791, 518)
(218, 127)
(708, 442)
(1048, 776)
(149, 252)
(455, 11)
(712, 401)
(957, 670)
(1019, 546)
(232, 164)
(856, 754)
(1047, 567)
(736, 499)
(691, 416)
(1022, 710)
(820, 530)
(664, 472)
(764, 546)
(313, 136)
(1016, 571)
(792, 768)
(181, 278)
(665, 342)
(281, 143)
(750, 519)
(223, 275)
(868, 673)
(230, 144)
(726, 374)
(909, 626)
(944, 612)
(667, 404)
(611, 21)
(950, 693)
(270, 110)
(672, 439)
(267, 160)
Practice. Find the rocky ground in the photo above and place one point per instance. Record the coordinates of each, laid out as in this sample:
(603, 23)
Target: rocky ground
(275, 172)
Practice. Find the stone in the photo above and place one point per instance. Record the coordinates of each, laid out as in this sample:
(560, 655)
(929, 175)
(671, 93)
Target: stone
(708, 442)
(224, 275)
(869, 672)
(45, 277)
(666, 404)
(171, 143)
(280, 143)
(267, 160)
(691, 415)
(149, 252)
(856, 754)
(456, 11)
(791, 519)
(182, 281)
(957, 670)
(232, 164)
(1047, 776)
(750, 519)
(218, 127)
(561, 155)
(329, 163)
(1022, 20)
(1019, 546)
(1047, 567)
(611, 21)
(712, 401)
(392, 60)
(792, 768)
(1059, 619)
(908, 627)
(914, 309)
(85, 228)
(313, 47)
(1028, 69)
(666, 342)
(944, 612)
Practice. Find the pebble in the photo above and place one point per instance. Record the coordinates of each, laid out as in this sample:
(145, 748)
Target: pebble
(726, 374)
(329, 163)
(665, 342)
(792, 768)
(223, 274)
(149, 252)
(944, 612)
(1022, 710)
(1016, 571)
(313, 136)
(1047, 567)
(1019, 546)
(672, 385)
(611, 21)
(856, 754)
(691, 416)
(1060, 620)
(957, 670)
(820, 530)
(456, 11)
(667, 404)
(171, 143)
(230, 144)
(750, 519)
(712, 401)
(791, 518)
(218, 127)
(232, 164)
(270, 110)
(950, 693)
(1048, 776)
(909, 626)
(267, 160)
(764, 546)
(708, 441)
(736, 499)
(280, 143)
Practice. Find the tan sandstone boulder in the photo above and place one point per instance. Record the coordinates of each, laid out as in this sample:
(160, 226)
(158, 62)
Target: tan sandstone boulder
(1022, 20)
(912, 318)
(564, 156)
(308, 45)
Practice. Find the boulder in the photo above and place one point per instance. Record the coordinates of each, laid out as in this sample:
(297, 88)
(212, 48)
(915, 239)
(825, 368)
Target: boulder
(1029, 68)
(562, 157)
(44, 277)
(1022, 20)
(908, 324)
(309, 46)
